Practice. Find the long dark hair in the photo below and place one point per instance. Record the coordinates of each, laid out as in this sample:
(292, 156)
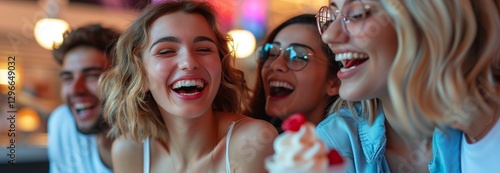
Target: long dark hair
(258, 102)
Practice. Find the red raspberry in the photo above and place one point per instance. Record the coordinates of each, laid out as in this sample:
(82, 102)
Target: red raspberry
(335, 158)
(293, 122)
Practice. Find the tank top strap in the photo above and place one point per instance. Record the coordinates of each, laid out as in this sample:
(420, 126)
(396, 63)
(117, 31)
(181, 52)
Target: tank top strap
(228, 138)
(146, 155)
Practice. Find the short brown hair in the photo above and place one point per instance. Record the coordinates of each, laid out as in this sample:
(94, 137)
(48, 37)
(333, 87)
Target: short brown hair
(94, 35)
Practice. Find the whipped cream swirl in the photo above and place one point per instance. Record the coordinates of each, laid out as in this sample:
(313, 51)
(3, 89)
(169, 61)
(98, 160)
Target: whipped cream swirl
(299, 152)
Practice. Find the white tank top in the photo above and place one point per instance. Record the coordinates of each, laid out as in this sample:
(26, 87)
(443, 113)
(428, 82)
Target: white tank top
(483, 155)
(228, 138)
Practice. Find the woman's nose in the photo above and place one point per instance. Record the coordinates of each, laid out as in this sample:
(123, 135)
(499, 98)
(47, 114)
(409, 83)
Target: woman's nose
(279, 64)
(188, 62)
(335, 33)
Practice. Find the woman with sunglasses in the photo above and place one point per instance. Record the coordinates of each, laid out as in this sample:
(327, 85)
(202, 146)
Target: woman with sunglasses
(297, 73)
(422, 81)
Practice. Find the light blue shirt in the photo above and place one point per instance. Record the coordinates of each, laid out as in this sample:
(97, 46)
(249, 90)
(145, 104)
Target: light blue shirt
(69, 150)
(363, 145)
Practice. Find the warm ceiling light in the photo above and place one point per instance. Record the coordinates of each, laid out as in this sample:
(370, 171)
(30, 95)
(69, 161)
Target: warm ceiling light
(244, 42)
(28, 120)
(4, 72)
(13, 77)
(49, 32)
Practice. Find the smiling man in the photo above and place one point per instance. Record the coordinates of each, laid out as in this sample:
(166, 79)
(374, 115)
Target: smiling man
(77, 131)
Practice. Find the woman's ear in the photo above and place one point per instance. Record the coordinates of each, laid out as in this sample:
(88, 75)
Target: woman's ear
(332, 88)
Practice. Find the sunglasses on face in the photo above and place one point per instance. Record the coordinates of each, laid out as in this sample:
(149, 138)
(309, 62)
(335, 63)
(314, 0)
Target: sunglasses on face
(296, 56)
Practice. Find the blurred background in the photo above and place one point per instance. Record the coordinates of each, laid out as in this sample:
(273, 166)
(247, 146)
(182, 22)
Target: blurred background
(37, 74)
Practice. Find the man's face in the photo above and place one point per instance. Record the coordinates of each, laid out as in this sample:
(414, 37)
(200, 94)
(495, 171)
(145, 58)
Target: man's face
(80, 73)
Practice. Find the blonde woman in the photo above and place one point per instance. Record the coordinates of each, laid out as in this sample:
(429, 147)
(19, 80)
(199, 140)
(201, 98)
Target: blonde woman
(422, 80)
(174, 99)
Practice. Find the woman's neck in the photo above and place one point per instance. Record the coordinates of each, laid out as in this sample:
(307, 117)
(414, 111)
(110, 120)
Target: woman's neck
(394, 129)
(402, 151)
(104, 147)
(316, 115)
(193, 138)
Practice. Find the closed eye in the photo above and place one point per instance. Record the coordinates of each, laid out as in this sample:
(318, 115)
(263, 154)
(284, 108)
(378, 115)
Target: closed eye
(204, 50)
(300, 57)
(166, 52)
(359, 15)
(66, 78)
(272, 55)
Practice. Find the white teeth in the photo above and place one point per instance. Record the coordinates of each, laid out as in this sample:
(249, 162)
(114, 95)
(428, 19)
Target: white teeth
(347, 69)
(281, 84)
(188, 83)
(82, 105)
(189, 94)
(349, 56)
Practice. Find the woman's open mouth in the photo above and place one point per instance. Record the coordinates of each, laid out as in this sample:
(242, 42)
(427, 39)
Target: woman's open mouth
(280, 89)
(188, 87)
(350, 60)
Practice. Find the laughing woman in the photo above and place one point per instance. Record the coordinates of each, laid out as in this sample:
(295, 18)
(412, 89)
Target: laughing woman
(297, 73)
(423, 79)
(174, 99)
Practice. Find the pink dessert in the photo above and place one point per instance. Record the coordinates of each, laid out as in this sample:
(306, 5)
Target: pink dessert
(299, 150)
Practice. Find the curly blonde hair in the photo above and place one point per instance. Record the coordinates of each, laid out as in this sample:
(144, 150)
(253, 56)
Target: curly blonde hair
(447, 65)
(129, 107)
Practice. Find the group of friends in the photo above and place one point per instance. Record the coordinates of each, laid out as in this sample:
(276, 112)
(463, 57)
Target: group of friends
(392, 85)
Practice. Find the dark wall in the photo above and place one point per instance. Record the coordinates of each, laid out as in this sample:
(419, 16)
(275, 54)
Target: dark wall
(35, 167)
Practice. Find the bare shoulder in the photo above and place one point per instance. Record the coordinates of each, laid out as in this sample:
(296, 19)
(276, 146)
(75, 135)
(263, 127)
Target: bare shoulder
(127, 156)
(247, 127)
(252, 127)
(251, 142)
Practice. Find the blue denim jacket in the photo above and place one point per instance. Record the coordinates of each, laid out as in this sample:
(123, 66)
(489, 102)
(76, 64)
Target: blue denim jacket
(363, 145)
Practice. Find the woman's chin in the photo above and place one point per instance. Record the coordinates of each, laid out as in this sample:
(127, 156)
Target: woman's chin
(274, 114)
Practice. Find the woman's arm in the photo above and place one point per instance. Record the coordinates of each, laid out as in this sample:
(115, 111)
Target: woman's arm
(251, 143)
